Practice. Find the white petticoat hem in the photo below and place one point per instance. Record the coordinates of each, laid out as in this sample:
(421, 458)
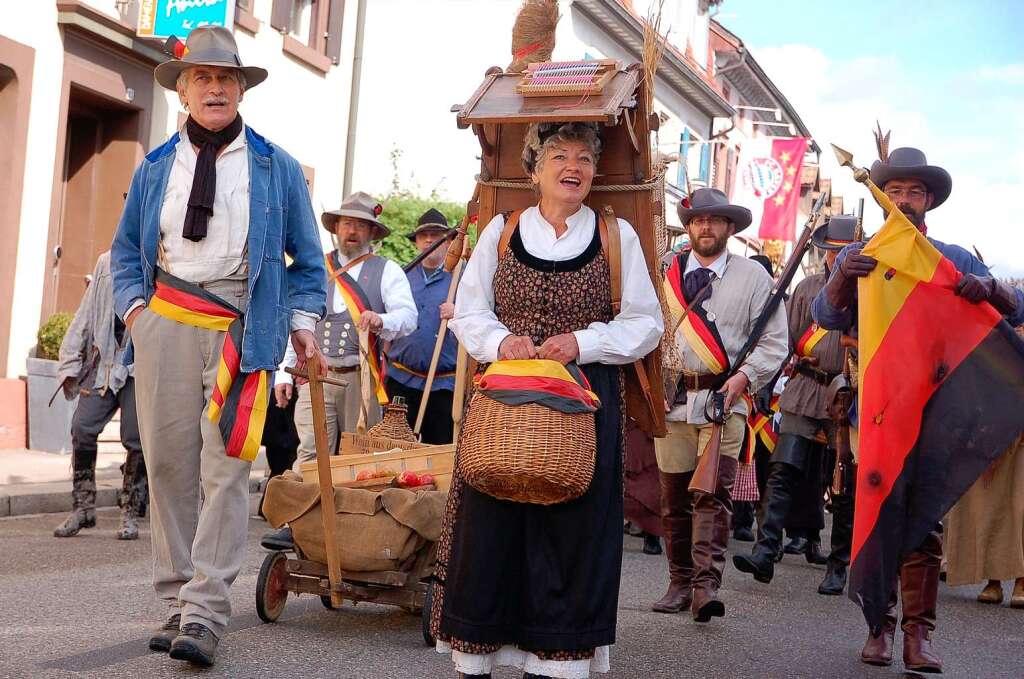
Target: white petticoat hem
(510, 656)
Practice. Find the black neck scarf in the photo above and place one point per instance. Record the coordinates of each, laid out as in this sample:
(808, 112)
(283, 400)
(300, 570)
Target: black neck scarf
(204, 181)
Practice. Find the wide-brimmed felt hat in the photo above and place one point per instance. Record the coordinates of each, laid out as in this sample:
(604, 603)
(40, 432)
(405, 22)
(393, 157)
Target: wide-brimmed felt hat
(361, 206)
(431, 220)
(910, 163)
(208, 46)
(836, 233)
(714, 202)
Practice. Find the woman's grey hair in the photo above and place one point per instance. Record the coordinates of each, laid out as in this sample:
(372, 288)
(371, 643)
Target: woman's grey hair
(542, 136)
(182, 81)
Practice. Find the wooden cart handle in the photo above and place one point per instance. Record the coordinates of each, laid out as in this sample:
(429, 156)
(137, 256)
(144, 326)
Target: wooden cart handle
(305, 375)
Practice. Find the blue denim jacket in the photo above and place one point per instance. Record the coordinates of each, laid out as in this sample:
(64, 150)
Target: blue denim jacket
(281, 220)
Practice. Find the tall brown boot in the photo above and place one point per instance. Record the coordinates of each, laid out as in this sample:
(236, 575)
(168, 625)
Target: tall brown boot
(711, 518)
(878, 648)
(919, 585)
(677, 524)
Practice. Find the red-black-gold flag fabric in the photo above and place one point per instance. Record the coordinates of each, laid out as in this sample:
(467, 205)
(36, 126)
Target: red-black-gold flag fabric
(238, 405)
(545, 382)
(941, 383)
(356, 303)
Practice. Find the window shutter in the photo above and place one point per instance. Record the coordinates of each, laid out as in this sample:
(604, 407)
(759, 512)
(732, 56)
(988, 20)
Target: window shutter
(705, 163)
(684, 147)
(281, 15)
(334, 17)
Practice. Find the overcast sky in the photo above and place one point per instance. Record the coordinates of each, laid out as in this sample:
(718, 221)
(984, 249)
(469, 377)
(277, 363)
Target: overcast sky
(946, 77)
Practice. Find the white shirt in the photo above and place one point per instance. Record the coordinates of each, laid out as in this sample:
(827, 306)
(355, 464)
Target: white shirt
(399, 319)
(717, 267)
(632, 334)
(222, 252)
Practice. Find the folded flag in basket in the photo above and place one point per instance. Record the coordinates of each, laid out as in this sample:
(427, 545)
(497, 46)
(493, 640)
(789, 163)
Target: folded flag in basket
(548, 383)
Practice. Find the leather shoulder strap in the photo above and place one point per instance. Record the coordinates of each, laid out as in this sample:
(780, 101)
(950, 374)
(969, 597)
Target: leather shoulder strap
(608, 225)
(511, 222)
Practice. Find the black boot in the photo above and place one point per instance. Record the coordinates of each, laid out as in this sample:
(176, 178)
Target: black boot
(796, 545)
(814, 554)
(743, 519)
(842, 542)
(652, 544)
(778, 497)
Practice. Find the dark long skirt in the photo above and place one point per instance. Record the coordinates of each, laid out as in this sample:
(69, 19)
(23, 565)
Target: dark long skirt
(543, 578)
(642, 482)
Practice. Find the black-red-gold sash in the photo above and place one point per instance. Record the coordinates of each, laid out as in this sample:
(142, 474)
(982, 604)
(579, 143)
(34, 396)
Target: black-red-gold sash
(814, 334)
(700, 332)
(356, 302)
(759, 426)
(239, 402)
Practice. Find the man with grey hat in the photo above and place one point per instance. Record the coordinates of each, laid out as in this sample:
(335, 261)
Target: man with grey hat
(714, 299)
(915, 187)
(409, 358)
(199, 277)
(354, 275)
(798, 459)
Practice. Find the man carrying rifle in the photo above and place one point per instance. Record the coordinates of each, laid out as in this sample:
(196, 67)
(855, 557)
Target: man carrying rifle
(798, 457)
(715, 299)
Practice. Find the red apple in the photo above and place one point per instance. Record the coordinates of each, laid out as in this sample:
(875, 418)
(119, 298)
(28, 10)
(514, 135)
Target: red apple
(409, 479)
(364, 475)
(427, 480)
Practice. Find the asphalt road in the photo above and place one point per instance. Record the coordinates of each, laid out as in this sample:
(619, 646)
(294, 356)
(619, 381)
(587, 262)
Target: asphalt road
(82, 607)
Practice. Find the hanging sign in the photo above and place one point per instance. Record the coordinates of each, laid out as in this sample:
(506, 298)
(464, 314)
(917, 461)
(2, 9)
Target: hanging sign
(164, 18)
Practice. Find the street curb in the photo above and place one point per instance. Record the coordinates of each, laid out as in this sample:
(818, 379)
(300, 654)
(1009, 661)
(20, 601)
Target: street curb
(54, 498)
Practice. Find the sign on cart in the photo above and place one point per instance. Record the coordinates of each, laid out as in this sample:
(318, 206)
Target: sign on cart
(164, 18)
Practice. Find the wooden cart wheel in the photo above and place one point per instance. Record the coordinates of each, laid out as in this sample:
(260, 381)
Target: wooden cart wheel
(428, 603)
(271, 587)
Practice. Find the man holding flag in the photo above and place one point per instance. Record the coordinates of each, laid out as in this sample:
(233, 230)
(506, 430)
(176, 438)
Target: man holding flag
(364, 292)
(940, 380)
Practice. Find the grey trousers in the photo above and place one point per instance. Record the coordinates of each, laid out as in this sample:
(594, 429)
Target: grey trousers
(342, 405)
(199, 497)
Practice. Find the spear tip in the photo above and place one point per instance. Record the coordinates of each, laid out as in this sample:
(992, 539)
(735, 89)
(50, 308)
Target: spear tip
(843, 157)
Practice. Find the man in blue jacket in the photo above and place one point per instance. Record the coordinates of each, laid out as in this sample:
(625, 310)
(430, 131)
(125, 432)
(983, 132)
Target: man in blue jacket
(200, 281)
(409, 357)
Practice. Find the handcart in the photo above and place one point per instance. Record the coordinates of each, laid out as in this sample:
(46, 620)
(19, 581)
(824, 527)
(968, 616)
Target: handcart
(281, 574)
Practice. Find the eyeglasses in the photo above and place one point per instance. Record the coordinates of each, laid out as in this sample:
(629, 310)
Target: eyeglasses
(912, 194)
(710, 220)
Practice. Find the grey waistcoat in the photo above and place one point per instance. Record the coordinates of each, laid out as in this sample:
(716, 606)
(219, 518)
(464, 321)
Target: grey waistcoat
(336, 333)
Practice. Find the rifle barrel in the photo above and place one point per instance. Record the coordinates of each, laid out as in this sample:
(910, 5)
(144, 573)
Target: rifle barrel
(448, 235)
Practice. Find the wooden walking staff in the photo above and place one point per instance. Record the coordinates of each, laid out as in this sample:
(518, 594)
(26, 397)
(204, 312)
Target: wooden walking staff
(458, 254)
(365, 381)
(312, 372)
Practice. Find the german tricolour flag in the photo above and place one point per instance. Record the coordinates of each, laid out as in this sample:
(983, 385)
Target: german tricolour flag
(942, 381)
(759, 426)
(697, 329)
(356, 303)
(545, 382)
(238, 405)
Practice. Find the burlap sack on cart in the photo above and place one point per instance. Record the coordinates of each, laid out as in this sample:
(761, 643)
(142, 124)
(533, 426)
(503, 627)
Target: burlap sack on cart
(375, 531)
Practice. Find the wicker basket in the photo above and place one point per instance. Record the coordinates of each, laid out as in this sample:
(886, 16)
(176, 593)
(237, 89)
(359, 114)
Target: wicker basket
(394, 424)
(526, 453)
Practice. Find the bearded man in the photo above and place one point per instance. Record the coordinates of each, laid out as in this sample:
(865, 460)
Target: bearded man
(719, 297)
(915, 187)
(200, 281)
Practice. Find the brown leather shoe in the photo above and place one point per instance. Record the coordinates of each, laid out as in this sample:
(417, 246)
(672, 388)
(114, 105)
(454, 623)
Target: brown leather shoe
(992, 594)
(676, 599)
(917, 650)
(1017, 598)
(878, 648)
(706, 605)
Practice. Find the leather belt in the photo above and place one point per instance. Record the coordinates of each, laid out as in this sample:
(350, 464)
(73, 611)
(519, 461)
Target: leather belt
(694, 382)
(343, 369)
(819, 376)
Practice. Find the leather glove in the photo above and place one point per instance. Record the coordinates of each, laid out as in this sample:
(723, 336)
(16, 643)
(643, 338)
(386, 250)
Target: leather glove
(977, 289)
(842, 284)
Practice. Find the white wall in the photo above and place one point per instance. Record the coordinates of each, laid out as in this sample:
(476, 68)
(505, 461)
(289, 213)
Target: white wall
(297, 108)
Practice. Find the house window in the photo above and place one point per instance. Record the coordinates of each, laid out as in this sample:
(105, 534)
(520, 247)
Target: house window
(244, 15)
(311, 29)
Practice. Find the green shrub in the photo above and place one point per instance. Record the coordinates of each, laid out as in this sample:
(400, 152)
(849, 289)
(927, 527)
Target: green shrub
(402, 210)
(51, 334)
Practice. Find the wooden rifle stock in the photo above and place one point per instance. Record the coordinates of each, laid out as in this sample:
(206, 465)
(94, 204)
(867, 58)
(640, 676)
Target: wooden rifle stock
(705, 476)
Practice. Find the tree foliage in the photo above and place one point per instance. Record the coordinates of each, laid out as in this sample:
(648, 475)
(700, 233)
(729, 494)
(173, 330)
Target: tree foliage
(402, 210)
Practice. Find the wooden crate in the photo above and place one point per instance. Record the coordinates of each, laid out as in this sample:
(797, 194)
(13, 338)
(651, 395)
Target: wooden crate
(435, 460)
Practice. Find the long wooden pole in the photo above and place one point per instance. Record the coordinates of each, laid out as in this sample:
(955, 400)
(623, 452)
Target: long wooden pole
(365, 381)
(438, 347)
(323, 470)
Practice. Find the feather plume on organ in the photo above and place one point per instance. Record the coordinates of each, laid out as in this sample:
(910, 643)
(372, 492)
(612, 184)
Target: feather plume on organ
(533, 34)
